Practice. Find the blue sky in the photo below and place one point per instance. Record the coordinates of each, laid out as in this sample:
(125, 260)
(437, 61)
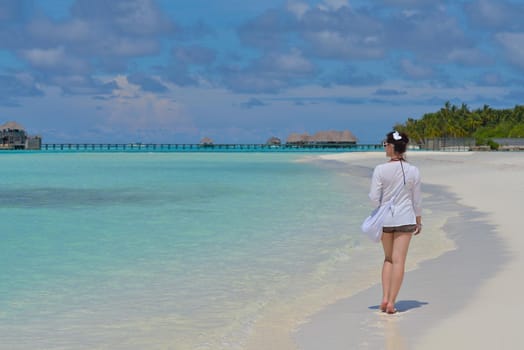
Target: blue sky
(241, 71)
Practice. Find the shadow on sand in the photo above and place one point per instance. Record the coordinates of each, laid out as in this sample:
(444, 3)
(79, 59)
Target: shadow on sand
(404, 305)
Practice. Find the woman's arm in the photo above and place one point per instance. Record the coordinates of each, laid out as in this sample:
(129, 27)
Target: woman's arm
(419, 225)
(375, 192)
(417, 202)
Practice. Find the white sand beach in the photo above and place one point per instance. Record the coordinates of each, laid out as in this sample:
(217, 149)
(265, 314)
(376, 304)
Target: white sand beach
(467, 298)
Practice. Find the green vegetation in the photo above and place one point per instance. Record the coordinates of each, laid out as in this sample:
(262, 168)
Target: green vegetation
(482, 124)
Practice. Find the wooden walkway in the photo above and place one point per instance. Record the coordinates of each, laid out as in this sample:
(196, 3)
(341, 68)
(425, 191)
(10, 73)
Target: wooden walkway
(152, 147)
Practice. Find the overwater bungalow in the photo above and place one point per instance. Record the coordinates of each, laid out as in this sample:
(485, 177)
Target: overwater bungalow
(206, 142)
(14, 136)
(273, 141)
(329, 138)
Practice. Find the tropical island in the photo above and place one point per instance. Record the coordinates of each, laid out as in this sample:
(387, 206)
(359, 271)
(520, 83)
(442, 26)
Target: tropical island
(484, 125)
(451, 127)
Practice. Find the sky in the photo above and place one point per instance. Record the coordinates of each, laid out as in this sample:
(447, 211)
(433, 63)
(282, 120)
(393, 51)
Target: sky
(242, 71)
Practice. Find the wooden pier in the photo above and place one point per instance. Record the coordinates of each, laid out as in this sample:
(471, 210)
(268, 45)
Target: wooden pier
(162, 147)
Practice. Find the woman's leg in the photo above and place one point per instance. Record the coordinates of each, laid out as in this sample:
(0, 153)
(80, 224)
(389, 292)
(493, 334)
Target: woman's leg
(387, 245)
(398, 257)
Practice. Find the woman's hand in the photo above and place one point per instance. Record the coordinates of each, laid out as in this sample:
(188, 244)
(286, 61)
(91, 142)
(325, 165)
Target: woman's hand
(417, 229)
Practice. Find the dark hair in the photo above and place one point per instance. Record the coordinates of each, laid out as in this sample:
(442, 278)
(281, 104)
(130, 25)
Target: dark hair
(399, 140)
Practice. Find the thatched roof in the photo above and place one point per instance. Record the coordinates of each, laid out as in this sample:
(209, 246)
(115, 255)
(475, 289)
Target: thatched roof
(294, 138)
(12, 126)
(206, 141)
(345, 136)
(273, 141)
(334, 136)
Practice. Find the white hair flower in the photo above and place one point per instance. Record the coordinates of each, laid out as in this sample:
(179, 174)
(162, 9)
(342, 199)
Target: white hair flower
(397, 136)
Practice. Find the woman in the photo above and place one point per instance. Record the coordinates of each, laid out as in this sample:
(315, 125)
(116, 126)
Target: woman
(404, 219)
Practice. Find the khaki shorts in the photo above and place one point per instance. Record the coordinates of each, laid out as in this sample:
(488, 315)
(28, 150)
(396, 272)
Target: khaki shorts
(404, 228)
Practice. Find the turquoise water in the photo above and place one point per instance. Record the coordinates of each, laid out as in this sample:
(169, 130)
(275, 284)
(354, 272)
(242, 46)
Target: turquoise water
(163, 250)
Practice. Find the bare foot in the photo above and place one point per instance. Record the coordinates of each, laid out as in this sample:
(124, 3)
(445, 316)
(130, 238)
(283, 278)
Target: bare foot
(383, 306)
(390, 309)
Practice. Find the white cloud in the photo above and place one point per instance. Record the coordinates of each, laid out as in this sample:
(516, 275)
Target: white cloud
(294, 62)
(335, 44)
(132, 46)
(133, 110)
(44, 57)
(491, 11)
(270, 73)
(471, 56)
(72, 31)
(492, 79)
(415, 71)
(297, 8)
(333, 4)
(414, 3)
(496, 14)
(54, 59)
(513, 43)
(140, 16)
(127, 17)
(410, 13)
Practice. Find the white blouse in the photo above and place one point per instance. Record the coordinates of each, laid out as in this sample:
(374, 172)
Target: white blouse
(385, 182)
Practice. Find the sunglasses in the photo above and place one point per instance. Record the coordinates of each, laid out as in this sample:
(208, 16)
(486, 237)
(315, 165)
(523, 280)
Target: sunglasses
(385, 144)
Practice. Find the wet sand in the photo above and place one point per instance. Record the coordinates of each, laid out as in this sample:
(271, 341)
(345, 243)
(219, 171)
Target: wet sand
(469, 297)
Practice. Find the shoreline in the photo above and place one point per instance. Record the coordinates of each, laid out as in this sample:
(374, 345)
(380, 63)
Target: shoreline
(275, 328)
(441, 301)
